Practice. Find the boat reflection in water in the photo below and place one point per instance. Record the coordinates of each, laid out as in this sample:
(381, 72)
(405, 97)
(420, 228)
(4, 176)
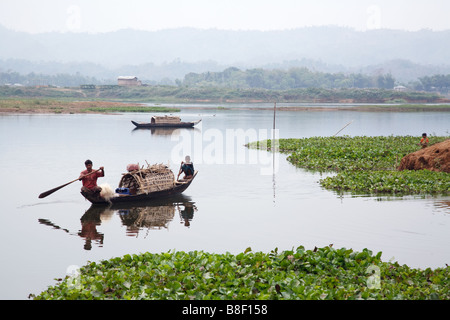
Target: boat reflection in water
(149, 215)
(167, 132)
(155, 215)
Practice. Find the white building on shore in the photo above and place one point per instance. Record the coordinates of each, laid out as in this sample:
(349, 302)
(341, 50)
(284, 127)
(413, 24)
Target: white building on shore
(128, 81)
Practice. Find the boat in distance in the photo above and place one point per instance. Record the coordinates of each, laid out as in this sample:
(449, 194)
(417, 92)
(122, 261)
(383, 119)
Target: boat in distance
(165, 122)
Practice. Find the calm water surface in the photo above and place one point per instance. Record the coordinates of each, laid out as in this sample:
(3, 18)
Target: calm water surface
(241, 198)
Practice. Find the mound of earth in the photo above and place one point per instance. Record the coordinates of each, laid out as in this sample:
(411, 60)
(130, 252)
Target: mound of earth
(435, 158)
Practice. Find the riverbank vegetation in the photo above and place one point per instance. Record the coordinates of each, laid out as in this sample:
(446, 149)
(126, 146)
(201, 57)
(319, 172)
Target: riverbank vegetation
(49, 105)
(364, 165)
(180, 94)
(232, 77)
(319, 274)
(72, 106)
(276, 79)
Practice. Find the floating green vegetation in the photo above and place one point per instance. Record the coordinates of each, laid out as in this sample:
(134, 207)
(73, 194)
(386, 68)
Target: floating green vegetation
(323, 273)
(365, 165)
(132, 109)
(392, 182)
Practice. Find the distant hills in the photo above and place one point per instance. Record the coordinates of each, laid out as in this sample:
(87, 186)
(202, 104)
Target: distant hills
(167, 55)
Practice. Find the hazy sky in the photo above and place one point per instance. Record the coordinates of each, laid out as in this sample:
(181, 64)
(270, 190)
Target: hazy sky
(110, 15)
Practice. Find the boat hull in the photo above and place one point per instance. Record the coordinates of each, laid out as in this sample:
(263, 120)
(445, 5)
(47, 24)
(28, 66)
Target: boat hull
(164, 125)
(177, 189)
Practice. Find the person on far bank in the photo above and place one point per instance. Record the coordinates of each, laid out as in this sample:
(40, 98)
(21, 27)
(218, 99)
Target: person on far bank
(424, 141)
(187, 167)
(89, 178)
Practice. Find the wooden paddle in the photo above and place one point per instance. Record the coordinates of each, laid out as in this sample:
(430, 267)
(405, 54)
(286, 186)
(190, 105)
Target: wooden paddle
(179, 171)
(49, 192)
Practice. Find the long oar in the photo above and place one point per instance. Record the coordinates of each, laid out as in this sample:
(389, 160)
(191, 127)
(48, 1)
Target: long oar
(49, 192)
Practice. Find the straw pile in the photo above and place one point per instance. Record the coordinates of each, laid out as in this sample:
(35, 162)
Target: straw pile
(156, 177)
(165, 119)
(434, 158)
(107, 192)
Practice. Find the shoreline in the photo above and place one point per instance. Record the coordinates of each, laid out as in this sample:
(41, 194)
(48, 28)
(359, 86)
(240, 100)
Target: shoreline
(48, 106)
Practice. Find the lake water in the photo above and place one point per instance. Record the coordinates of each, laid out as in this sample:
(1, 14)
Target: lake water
(240, 198)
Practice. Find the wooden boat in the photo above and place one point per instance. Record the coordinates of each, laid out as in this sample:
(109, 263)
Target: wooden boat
(155, 182)
(165, 122)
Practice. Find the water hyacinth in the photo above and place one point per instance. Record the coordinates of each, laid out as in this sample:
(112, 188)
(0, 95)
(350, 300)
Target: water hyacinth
(364, 165)
(392, 182)
(321, 273)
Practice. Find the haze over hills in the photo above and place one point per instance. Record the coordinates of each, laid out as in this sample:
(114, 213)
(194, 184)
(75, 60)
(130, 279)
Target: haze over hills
(172, 53)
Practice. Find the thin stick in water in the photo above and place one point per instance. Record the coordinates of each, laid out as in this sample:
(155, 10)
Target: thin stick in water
(342, 128)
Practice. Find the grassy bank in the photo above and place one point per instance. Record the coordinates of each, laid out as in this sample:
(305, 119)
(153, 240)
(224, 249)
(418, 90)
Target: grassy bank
(319, 274)
(84, 105)
(220, 94)
(48, 105)
(364, 165)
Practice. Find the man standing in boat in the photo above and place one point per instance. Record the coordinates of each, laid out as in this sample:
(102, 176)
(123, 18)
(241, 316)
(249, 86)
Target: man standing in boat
(89, 178)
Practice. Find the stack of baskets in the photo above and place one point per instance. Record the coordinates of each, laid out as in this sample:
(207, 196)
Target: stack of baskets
(165, 119)
(156, 177)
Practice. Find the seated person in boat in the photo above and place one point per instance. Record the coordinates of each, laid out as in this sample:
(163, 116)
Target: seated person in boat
(187, 167)
(89, 178)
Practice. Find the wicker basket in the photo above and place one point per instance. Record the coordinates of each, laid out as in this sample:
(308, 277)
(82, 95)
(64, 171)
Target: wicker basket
(156, 177)
(165, 119)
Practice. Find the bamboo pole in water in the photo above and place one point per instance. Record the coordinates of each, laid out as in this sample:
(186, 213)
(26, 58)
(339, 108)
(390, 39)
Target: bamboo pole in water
(342, 128)
(273, 150)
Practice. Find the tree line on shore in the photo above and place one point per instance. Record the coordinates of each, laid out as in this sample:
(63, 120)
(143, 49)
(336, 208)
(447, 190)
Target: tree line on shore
(274, 79)
(221, 95)
(292, 78)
